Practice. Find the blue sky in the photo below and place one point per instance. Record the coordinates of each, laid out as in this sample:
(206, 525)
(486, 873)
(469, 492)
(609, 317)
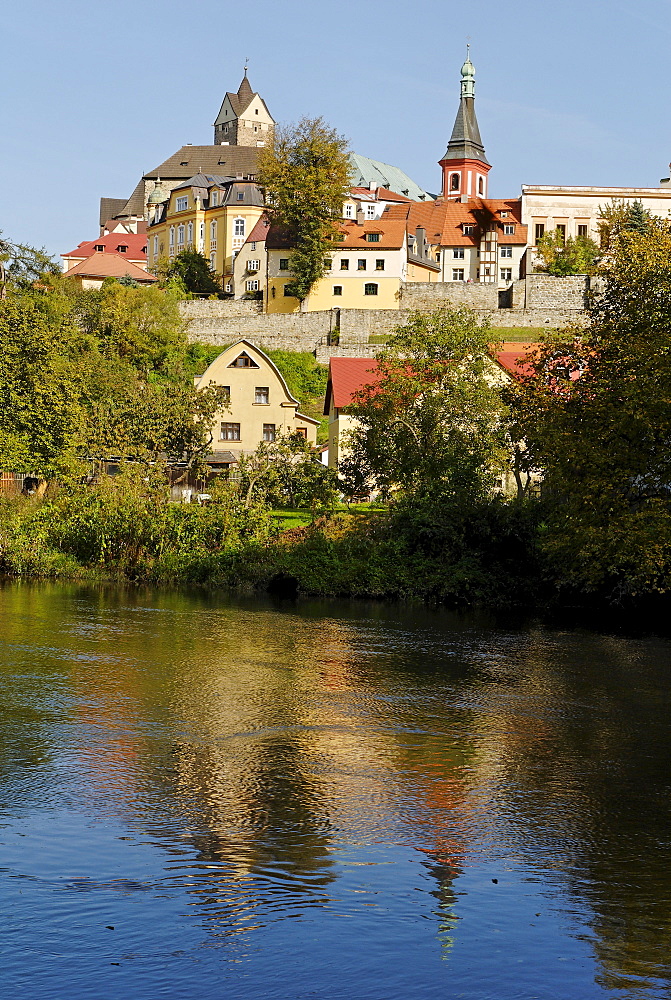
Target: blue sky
(94, 94)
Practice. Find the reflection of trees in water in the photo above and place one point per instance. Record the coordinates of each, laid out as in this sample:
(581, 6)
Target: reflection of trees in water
(585, 756)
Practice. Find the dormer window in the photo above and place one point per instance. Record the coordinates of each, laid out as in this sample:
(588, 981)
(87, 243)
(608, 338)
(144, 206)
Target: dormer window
(243, 361)
(373, 237)
(468, 230)
(509, 229)
(241, 195)
(214, 199)
(100, 248)
(504, 215)
(122, 248)
(181, 204)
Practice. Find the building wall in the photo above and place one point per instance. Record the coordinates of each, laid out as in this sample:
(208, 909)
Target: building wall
(280, 411)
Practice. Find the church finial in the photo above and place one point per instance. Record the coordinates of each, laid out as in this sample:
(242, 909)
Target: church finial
(468, 75)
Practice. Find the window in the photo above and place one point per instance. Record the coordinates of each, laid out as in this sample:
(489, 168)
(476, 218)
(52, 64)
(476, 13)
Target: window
(269, 432)
(262, 395)
(201, 232)
(504, 215)
(361, 264)
(509, 229)
(241, 195)
(243, 361)
(122, 248)
(229, 287)
(189, 233)
(344, 264)
(230, 432)
(239, 227)
(284, 263)
(252, 285)
(540, 231)
(457, 274)
(582, 231)
(256, 128)
(454, 182)
(506, 274)
(562, 231)
(372, 237)
(349, 211)
(506, 251)
(370, 288)
(288, 294)
(337, 289)
(180, 236)
(253, 265)
(214, 199)
(458, 253)
(182, 204)
(155, 247)
(213, 234)
(226, 128)
(302, 432)
(100, 248)
(253, 245)
(370, 211)
(468, 230)
(213, 260)
(227, 393)
(379, 264)
(328, 263)
(481, 185)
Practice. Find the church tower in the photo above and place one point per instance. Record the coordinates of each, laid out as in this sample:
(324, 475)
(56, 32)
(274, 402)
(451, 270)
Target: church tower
(244, 119)
(465, 166)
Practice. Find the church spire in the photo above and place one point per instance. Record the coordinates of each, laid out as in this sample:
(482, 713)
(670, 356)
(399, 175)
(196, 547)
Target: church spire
(465, 164)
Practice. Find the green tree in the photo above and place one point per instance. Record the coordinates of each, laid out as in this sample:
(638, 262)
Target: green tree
(286, 473)
(191, 271)
(22, 265)
(618, 216)
(305, 177)
(432, 423)
(604, 439)
(561, 257)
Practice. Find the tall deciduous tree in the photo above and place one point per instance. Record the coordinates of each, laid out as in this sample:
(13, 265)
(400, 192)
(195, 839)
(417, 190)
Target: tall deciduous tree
(604, 438)
(190, 269)
(306, 176)
(431, 424)
(560, 256)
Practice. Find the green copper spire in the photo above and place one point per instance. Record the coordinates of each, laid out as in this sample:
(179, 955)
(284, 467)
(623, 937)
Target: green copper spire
(468, 76)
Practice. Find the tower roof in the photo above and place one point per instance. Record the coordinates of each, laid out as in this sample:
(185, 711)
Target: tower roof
(465, 142)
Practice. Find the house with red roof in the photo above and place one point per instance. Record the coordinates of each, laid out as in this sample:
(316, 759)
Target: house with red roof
(93, 271)
(347, 377)
(130, 246)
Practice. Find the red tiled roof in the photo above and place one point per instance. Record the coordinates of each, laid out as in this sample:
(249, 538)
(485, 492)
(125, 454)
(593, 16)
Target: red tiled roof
(346, 377)
(260, 231)
(380, 194)
(391, 230)
(136, 243)
(109, 265)
(515, 358)
(444, 220)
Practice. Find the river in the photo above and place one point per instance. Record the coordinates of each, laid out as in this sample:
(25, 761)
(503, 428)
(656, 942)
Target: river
(206, 797)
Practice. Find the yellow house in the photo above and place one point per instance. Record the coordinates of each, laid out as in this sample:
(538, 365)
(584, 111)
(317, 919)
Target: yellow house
(261, 408)
(210, 214)
(365, 269)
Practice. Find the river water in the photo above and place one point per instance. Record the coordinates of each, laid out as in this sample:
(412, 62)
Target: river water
(216, 798)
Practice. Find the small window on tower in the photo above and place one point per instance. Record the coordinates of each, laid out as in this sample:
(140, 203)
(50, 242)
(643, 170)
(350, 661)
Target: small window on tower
(481, 185)
(454, 182)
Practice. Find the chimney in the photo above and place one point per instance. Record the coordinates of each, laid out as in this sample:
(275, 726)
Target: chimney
(372, 186)
(420, 242)
(360, 216)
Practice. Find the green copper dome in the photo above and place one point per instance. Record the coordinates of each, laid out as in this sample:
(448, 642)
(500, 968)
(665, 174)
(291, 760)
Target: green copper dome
(158, 194)
(468, 70)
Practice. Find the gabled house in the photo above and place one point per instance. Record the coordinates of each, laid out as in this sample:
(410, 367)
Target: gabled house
(260, 408)
(130, 246)
(347, 377)
(93, 271)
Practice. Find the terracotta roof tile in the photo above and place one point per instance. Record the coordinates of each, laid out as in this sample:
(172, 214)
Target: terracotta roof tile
(346, 377)
(136, 243)
(109, 265)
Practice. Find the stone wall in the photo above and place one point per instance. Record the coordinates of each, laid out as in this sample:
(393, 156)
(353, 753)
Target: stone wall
(224, 322)
(432, 295)
(544, 291)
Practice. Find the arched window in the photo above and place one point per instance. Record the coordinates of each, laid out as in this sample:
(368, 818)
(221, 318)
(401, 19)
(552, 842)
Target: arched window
(239, 227)
(180, 236)
(172, 236)
(189, 233)
(213, 261)
(213, 232)
(454, 182)
(481, 186)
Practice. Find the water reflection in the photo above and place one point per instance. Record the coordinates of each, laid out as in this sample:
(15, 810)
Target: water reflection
(328, 763)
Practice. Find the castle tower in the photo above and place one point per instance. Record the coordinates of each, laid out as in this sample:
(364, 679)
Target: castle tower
(465, 166)
(244, 119)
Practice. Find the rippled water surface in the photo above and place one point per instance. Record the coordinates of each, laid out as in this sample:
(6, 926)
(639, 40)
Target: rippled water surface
(209, 798)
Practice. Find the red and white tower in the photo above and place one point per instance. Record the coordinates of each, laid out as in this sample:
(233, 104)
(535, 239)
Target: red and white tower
(465, 166)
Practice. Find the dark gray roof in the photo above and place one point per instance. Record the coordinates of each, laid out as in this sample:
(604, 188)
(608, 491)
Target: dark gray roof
(223, 160)
(204, 181)
(110, 208)
(135, 204)
(222, 457)
(465, 141)
(251, 194)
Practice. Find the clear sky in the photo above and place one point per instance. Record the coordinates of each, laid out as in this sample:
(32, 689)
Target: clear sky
(96, 93)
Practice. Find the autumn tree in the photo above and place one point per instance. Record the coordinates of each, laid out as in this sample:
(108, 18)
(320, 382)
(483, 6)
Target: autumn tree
(562, 256)
(603, 439)
(306, 176)
(191, 270)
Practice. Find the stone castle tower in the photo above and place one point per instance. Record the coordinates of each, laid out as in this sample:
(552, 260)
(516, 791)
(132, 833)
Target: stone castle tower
(244, 119)
(465, 165)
